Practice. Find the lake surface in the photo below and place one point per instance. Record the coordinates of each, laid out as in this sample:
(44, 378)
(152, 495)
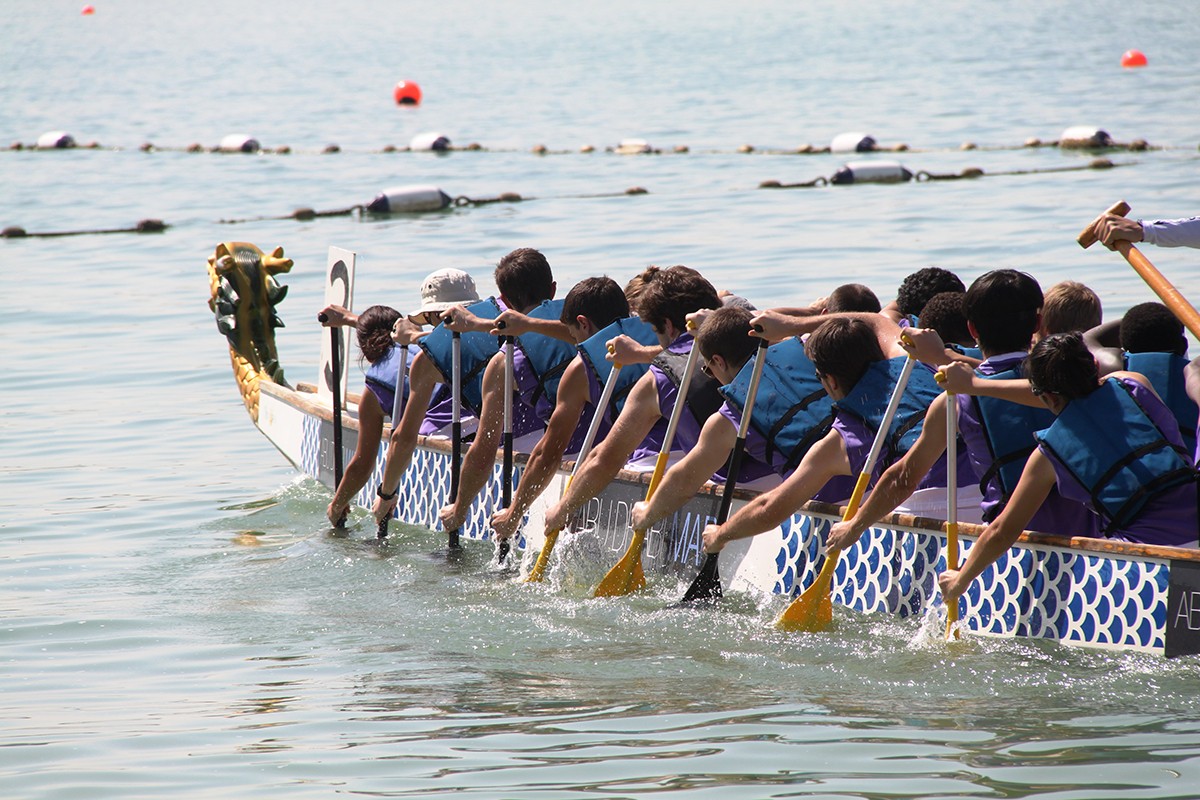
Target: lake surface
(175, 617)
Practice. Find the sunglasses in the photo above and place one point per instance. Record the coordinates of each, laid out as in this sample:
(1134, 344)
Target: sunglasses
(705, 368)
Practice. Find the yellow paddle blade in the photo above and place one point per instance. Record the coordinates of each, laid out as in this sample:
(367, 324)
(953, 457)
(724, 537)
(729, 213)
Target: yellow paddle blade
(627, 575)
(812, 611)
(538, 573)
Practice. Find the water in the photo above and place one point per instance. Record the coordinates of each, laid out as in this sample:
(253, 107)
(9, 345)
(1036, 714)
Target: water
(176, 618)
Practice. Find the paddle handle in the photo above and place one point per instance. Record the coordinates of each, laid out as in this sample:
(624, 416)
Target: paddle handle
(951, 503)
(335, 364)
(455, 427)
(1166, 291)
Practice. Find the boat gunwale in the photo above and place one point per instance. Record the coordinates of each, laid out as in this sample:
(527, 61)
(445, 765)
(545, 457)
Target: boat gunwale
(300, 398)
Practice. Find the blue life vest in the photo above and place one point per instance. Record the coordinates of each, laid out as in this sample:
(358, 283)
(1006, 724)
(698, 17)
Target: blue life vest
(1112, 448)
(595, 348)
(547, 357)
(970, 352)
(792, 410)
(868, 401)
(1165, 371)
(1008, 429)
(381, 379)
(477, 350)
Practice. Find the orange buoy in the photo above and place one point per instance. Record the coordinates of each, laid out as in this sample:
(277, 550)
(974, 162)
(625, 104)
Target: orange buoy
(88, 10)
(1133, 58)
(407, 93)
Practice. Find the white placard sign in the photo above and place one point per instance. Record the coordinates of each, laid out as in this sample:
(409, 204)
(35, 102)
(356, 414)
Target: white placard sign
(339, 290)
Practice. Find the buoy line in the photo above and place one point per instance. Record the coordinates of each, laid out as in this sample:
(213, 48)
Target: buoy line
(415, 199)
(893, 172)
(1075, 138)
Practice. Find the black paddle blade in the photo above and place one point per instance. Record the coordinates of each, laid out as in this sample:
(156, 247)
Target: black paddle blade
(452, 542)
(341, 522)
(706, 588)
(502, 550)
(382, 531)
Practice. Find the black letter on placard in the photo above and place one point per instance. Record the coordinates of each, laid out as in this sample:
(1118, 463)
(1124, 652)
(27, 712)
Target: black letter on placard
(338, 272)
(1183, 609)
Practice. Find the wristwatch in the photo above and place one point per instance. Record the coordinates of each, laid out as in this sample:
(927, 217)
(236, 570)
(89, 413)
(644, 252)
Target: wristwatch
(385, 496)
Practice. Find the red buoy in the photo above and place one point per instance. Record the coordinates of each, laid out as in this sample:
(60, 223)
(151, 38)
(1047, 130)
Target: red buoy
(88, 10)
(407, 93)
(1133, 58)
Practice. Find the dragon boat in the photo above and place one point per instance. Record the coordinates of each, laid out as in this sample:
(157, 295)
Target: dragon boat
(1078, 591)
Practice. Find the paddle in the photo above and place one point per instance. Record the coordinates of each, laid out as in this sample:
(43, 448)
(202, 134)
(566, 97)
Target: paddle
(455, 429)
(335, 366)
(397, 411)
(813, 609)
(1162, 287)
(543, 560)
(507, 471)
(951, 505)
(706, 588)
(627, 575)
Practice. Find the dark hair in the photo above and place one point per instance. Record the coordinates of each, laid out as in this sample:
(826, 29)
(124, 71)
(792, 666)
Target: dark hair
(1062, 363)
(916, 289)
(524, 278)
(673, 293)
(944, 313)
(599, 299)
(1070, 306)
(852, 297)
(1003, 306)
(844, 347)
(1152, 328)
(374, 331)
(726, 333)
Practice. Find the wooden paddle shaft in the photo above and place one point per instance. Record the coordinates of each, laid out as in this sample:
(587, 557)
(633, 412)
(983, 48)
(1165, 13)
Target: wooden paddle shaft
(1162, 287)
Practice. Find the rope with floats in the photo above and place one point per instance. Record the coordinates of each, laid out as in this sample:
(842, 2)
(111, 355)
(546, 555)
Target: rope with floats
(894, 172)
(425, 198)
(1074, 138)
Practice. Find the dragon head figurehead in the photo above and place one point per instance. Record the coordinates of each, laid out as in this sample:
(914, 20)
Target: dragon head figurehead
(244, 294)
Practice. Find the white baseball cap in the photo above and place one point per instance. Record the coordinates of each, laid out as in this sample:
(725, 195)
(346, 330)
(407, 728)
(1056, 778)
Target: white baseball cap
(445, 288)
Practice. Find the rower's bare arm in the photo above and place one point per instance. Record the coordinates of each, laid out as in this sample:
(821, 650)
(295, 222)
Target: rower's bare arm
(689, 474)
(638, 416)
(547, 456)
(518, 324)
(900, 480)
(480, 458)
(926, 346)
(358, 471)
(626, 350)
(423, 376)
(826, 459)
(961, 379)
(1037, 479)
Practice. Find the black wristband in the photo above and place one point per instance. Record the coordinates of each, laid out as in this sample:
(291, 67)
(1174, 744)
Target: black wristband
(379, 491)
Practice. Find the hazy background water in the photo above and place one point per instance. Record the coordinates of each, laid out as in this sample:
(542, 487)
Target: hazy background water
(177, 619)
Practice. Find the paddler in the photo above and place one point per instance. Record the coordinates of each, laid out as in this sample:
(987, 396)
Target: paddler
(857, 358)
(1114, 445)
(524, 280)
(550, 391)
(668, 296)
(1003, 313)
